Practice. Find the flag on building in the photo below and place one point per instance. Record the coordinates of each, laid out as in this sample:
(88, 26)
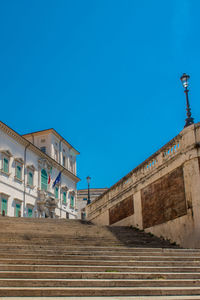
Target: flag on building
(57, 180)
(49, 178)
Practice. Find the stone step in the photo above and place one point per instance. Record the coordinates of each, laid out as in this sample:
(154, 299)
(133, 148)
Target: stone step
(115, 252)
(91, 248)
(89, 292)
(65, 240)
(17, 256)
(55, 258)
(89, 262)
(98, 283)
(85, 268)
(96, 275)
(26, 251)
(110, 298)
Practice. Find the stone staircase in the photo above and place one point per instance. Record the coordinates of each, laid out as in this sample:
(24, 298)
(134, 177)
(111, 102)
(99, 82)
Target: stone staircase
(57, 258)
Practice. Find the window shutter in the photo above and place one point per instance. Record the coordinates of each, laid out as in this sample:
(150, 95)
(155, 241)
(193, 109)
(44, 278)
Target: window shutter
(30, 178)
(4, 206)
(5, 165)
(18, 170)
(44, 180)
(64, 197)
(56, 192)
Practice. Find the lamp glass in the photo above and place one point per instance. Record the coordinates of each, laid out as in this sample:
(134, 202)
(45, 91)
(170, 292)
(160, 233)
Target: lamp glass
(88, 179)
(185, 78)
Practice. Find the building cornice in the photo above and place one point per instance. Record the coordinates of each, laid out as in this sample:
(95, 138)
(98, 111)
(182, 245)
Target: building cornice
(51, 130)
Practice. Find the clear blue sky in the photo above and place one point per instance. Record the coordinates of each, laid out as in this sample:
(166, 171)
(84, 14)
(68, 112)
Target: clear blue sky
(103, 73)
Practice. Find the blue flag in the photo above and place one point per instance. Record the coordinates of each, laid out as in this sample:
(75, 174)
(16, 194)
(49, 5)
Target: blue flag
(57, 180)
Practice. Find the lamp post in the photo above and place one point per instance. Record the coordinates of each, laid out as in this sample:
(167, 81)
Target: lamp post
(185, 78)
(88, 181)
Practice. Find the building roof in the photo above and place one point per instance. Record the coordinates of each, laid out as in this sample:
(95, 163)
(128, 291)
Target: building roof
(51, 130)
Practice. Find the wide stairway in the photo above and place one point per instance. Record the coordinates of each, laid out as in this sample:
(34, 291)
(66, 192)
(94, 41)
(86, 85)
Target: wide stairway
(54, 258)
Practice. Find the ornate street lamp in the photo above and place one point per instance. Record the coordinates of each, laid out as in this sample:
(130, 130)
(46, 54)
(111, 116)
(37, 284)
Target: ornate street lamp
(88, 181)
(185, 78)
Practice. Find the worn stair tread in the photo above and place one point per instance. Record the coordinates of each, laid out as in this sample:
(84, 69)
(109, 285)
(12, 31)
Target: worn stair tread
(98, 257)
(73, 258)
(109, 268)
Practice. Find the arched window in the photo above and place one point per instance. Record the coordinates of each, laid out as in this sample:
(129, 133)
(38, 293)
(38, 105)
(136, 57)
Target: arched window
(44, 180)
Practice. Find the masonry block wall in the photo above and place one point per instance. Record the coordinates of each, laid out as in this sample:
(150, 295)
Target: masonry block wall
(161, 196)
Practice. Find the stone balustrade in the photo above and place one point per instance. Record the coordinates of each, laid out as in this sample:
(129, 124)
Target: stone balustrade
(162, 190)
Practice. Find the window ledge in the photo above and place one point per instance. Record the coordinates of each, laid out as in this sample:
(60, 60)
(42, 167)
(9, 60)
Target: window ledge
(5, 173)
(18, 179)
(30, 186)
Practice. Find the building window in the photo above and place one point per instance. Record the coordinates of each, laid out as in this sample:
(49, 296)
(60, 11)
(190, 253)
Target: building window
(18, 172)
(4, 205)
(56, 155)
(64, 161)
(5, 165)
(56, 192)
(18, 210)
(30, 212)
(30, 178)
(5, 157)
(64, 197)
(71, 164)
(43, 149)
(18, 168)
(72, 201)
(44, 180)
(30, 175)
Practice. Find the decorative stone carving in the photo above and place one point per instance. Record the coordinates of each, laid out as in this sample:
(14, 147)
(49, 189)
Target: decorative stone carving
(44, 164)
(46, 204)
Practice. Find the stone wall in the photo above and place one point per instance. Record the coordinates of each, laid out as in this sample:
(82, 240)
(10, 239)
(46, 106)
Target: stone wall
(161, 195)
(165, 198)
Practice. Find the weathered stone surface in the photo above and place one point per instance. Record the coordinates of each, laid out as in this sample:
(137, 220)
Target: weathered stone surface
(164, 199)
(121, 210)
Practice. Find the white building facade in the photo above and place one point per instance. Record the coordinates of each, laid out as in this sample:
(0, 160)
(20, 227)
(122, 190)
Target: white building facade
(29, 166)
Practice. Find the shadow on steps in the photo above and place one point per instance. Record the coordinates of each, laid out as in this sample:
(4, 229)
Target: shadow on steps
(134, 237)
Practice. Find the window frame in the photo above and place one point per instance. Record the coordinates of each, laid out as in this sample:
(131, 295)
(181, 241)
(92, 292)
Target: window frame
(19, 164)
(43, 149)
(64, 161)
(4, 196)
(18, 202)
(5, 154)
(42, 182)
(56, 192)
(30, 206)
(64, 189)
(30, 178)
(72, 194)
(64, 199)
(30, 169)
